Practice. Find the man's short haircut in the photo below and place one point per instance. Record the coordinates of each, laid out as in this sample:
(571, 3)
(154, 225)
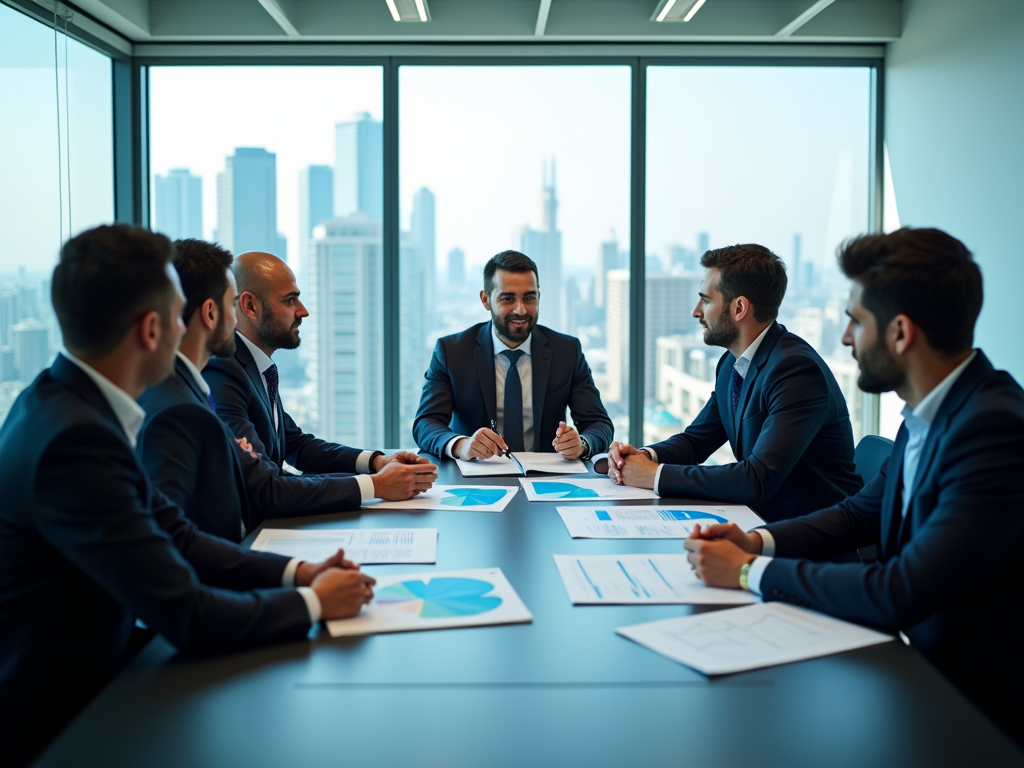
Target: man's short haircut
(106, 279)
(753, 271)
(925, 274)
(202, 267)
(510, 261)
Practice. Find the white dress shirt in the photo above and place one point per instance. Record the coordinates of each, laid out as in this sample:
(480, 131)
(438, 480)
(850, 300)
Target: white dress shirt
(501, 366)
(130, 415)
(918, 421)
(741, 367)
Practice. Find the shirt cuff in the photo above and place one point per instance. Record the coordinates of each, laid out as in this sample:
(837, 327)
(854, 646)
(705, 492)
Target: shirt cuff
(755, 573)
(365, 487)
(767, 542)
(652, 453)
(316, 610)
(288, 577)
(657, 478)
(451, 444)
(363, 463)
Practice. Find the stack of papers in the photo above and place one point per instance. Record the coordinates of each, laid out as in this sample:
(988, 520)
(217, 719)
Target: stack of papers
(497, 466)
(361, 545)
(668, 522)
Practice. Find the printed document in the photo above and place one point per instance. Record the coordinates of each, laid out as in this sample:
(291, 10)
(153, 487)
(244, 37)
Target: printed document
(495, 466)
(667, 522)
(580, 489)
(361, 545)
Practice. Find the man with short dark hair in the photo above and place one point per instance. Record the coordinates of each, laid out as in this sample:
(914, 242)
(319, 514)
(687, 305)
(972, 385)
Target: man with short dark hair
(86, 541)
(946, 511)
(775, 401)
(245, 387)
(506, 384)
(190, 454)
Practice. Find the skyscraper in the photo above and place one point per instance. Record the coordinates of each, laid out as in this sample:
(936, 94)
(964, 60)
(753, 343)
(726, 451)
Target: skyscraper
(608, 258)
(30, 342)
(544, 246)
(702, 243)
(422, 232)
(316, 204)
(456, 266)
(359, 167)
(247, 203)
(179, 204)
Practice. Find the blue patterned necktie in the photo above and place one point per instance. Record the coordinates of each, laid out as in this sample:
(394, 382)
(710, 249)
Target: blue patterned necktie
(271, 376)
(513, 416)
(209, 399)
(737, 385)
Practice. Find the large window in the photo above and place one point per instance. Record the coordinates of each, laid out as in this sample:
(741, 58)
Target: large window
(771, 155)
(534, 159)
(288, 160)
(56, 179)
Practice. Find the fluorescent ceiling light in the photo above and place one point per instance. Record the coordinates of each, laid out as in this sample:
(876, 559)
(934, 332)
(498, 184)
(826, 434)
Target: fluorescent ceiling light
(409, 10)
(676, 10)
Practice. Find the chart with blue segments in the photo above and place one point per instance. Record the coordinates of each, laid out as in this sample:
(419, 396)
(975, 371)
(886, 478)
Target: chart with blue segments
(472, 497)
(440, 598)
(555, 490)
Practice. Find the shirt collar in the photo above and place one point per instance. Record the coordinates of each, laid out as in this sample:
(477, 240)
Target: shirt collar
(928, 408)
(128, 412)
(262, 361)
(200, 381)
(744, 360)
(500, 346)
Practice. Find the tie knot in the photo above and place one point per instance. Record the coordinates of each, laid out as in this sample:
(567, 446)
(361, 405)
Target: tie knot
(513, 356)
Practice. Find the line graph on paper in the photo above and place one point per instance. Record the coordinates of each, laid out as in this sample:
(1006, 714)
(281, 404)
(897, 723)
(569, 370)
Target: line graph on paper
(728, 638)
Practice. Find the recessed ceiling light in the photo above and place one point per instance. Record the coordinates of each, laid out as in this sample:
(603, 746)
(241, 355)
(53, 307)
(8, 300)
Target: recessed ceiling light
(676, 10)
(409, 10)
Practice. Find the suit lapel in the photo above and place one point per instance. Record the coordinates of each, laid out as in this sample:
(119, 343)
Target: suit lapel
(768, 343)
(892, 498)
(182, 370)
(484, 358)
(246, 360)
(723, 389)
(541, 360)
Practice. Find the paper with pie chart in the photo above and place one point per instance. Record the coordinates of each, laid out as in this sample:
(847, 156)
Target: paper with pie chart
(751, 637)
(664, 522)
(470, 498)
(436, 600)
(580, 489)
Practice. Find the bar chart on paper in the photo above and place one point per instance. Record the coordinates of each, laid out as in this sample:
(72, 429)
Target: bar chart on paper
(362, 545)
(668, 522)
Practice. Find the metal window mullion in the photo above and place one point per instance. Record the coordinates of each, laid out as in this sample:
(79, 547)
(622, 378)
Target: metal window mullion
(140, 144)
(391, 298)
(637, 249)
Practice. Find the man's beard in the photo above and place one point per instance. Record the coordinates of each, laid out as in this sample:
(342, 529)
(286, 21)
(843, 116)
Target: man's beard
(516, 336)
(222, 344)
(277, 335)
(721, 334)
(879, 371)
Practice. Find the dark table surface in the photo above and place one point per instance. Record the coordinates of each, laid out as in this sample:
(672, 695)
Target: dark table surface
(562, 691)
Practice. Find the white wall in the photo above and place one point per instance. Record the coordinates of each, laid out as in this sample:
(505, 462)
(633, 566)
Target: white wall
(954, 123)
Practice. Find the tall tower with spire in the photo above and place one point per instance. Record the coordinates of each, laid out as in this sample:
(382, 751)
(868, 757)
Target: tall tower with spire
(544, 246)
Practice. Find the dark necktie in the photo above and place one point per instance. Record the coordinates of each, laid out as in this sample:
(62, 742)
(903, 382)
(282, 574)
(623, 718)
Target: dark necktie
(513, 416)
(271, 376)
(737, 385)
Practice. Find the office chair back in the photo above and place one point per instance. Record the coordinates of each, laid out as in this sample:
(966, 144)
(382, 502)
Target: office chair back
(870, 455)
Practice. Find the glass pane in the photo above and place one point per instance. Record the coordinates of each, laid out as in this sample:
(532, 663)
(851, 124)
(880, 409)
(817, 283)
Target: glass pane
(289, 160)
(770, 155)
(48, 189)
(534, 159)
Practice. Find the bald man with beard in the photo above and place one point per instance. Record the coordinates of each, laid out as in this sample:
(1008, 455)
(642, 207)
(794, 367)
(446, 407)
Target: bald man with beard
(246, 397)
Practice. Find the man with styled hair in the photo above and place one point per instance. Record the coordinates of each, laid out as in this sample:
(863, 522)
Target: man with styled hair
(86, 541)
(512, 374)
(191, 455)
(946, 511)
(776, 402)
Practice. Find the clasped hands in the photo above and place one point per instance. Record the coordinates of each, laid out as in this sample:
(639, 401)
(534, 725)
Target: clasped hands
(717, 552)
(402, 475)
(486, 443)
(630, 466)
(342, 588)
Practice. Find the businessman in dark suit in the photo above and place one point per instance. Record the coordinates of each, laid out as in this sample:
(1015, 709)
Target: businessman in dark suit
(947, 510)
(775, 401)
(87, 544)
(512, 374)
(190, 454)
(245, 385)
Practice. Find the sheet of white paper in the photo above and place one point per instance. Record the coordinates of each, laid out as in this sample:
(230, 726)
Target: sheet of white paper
(532, 462)
(668, 522)
(643, 579)
(751, 637)
(362, 545)
(471, 498)
(436, 600)
(580, 489)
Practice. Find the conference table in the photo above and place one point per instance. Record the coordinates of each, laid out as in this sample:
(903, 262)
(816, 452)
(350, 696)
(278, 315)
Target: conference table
(564, 690)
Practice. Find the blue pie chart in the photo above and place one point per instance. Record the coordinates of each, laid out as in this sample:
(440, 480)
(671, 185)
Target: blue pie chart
(440, 598)
(472, 497)
(562, 490)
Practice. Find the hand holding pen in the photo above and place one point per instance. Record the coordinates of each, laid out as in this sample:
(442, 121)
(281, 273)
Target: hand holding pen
(484, 444)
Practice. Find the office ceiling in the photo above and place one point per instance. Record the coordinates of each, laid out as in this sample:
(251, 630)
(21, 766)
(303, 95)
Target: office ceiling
(817, 21)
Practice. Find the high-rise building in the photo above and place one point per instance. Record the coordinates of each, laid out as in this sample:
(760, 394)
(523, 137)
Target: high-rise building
(609, 257)
(359, 167)
(617, 331)
(8, 315)
(30, 342)
(247, 203)
(456, 266)
(795, 275)
(345, 305)
(8, 368)
(544, 246)
(179, 204)
(702, 243)
(316, 204)
(422, 232)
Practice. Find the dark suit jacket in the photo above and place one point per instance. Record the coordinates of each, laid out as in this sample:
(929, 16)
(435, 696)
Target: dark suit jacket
(949, 573)
(191, 456)
(86, 546)
(790, 434)
(459, 394)
(243, 404)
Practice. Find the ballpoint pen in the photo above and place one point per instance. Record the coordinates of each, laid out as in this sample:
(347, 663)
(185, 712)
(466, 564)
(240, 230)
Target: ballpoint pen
(508, 453)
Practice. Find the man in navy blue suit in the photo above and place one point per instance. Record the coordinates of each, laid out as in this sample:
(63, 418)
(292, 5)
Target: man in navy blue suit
(87, 544)
(506, 384)
(190, 454)
(947, 510)
(776, 402)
